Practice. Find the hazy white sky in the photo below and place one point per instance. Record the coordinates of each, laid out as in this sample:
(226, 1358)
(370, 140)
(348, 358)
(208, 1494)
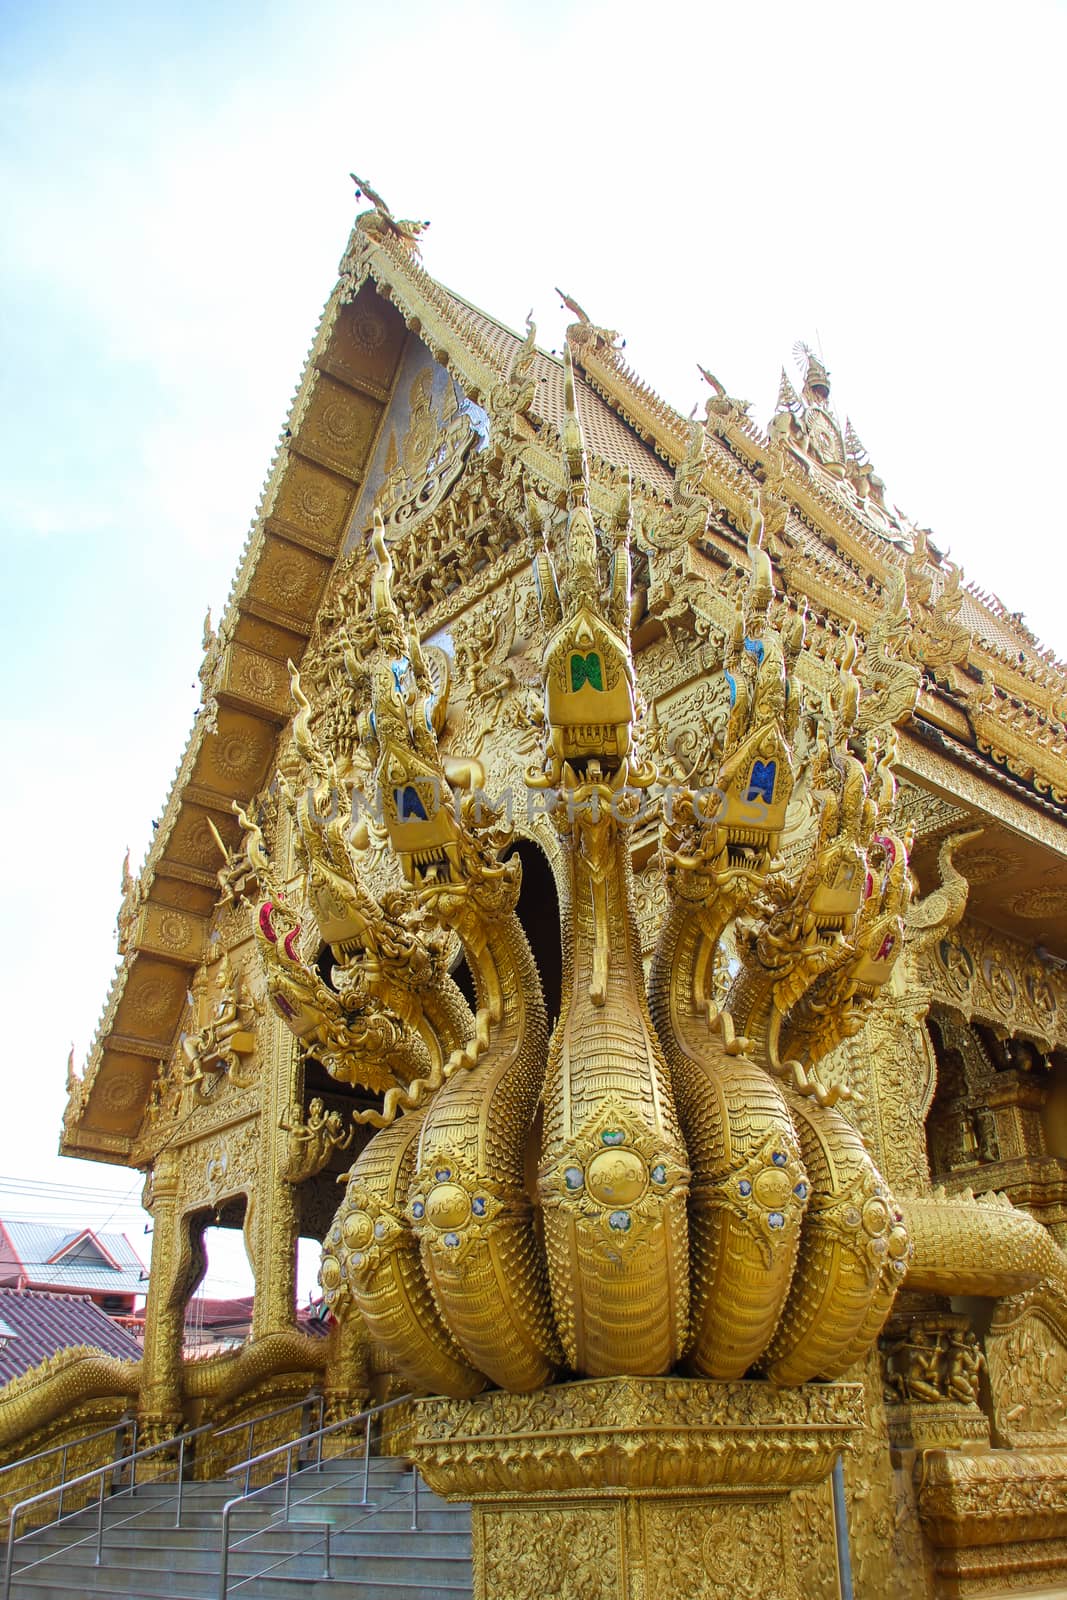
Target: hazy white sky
(716, 180)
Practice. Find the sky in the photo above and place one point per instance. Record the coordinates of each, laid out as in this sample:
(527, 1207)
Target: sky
(715, 180)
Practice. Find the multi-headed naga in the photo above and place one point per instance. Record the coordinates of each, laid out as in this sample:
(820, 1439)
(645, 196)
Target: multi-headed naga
(468, 1203)
(798, 1248)
(669, 1181)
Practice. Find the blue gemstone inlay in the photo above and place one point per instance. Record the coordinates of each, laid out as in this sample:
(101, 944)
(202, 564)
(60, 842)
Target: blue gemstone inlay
(658, 1173)
(612, 1136)
(409, 804)
(574, 1177)
(620, 1221)
(443, 1174)
(380, 1230)
(478, 1205)
(399, 670)
(744, 1188)
(452, 1239)
(761, 782)
(418, 1209)
(775, 1220)
(800, 1190)
(779, 1158)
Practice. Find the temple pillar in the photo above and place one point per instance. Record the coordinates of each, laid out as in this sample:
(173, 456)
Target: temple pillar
(177, 1266)
(277, 1212)
(637, 1488)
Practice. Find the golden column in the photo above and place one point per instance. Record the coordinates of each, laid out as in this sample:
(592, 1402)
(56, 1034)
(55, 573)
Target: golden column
(170, 1282)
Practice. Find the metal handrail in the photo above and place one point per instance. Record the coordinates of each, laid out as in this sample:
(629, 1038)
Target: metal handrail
(327, 1531)
(99, 1473)
(269, 1416)
(71, 1444)
(287, 1450)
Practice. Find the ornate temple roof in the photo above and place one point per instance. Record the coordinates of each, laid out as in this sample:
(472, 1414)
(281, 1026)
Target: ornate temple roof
(994, 700)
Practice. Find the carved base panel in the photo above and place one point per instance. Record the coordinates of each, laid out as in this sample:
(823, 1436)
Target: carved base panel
(628, 1488)
(1023, 1571)
(936, 1427)
(998, 1520)
(625, 1547)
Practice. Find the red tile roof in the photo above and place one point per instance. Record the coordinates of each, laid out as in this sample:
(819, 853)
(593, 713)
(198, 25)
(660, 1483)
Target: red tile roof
(42, 1324)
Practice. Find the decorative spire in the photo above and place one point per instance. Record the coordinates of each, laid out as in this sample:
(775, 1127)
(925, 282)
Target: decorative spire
(853, 443)
(573, 443)
(788, 399)
(816, 376)
(380, 223)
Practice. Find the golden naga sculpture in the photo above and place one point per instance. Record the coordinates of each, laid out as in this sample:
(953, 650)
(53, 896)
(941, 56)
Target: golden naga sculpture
(701, 1199)
(776, 1168)
(648, 880)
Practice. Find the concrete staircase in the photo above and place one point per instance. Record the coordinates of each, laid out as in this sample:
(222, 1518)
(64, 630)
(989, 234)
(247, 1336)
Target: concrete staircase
(374, 1552)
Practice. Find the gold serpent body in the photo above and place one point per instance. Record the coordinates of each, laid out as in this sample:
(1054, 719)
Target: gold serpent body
(620, 1293)
(385, 1275)
(469, 1200)
(845, 1279)
(373, 1247)
(736, 1123)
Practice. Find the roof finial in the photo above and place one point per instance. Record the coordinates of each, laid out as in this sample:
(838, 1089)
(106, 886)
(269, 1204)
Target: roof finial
(816, 376)
(573, 443)
(381, 223)
(788, 399)
(585, 331)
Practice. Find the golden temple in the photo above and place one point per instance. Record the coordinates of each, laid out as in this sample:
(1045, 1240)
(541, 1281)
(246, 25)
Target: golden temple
(614, 894)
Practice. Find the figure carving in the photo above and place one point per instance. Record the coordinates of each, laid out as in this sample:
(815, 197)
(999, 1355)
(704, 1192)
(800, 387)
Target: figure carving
(313, 1142)
(224, 1043)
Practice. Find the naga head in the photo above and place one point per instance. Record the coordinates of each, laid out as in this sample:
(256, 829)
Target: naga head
(757, 771)
(292, 988)
(444, 834)
(413, 790)
(586, 666)
(732, 833)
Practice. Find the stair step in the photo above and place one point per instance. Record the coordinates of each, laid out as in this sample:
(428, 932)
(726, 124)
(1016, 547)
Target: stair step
(375, 1554)
(271, 1588)
(304, 1558)
(434, 1517)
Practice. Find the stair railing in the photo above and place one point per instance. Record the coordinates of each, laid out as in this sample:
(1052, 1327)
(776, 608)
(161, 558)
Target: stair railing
(290, 1452)
(99, 1475)
(311, 1404)
(313, 1401)
(127, 1421)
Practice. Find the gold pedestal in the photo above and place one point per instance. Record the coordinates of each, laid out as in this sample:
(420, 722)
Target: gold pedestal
(636, 1488)
(997, 1521)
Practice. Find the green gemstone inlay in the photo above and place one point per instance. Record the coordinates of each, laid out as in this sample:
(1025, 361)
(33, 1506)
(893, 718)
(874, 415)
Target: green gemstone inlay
(587, 669)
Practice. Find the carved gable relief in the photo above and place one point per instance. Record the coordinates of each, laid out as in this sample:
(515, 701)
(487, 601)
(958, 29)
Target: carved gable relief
(1027, 1360)
(425, 438)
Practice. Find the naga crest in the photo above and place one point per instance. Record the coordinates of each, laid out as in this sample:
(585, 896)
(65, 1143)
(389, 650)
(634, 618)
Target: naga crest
(586, 665)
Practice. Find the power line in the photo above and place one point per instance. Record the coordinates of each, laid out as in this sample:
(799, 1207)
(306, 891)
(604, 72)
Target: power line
(74, 1191)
